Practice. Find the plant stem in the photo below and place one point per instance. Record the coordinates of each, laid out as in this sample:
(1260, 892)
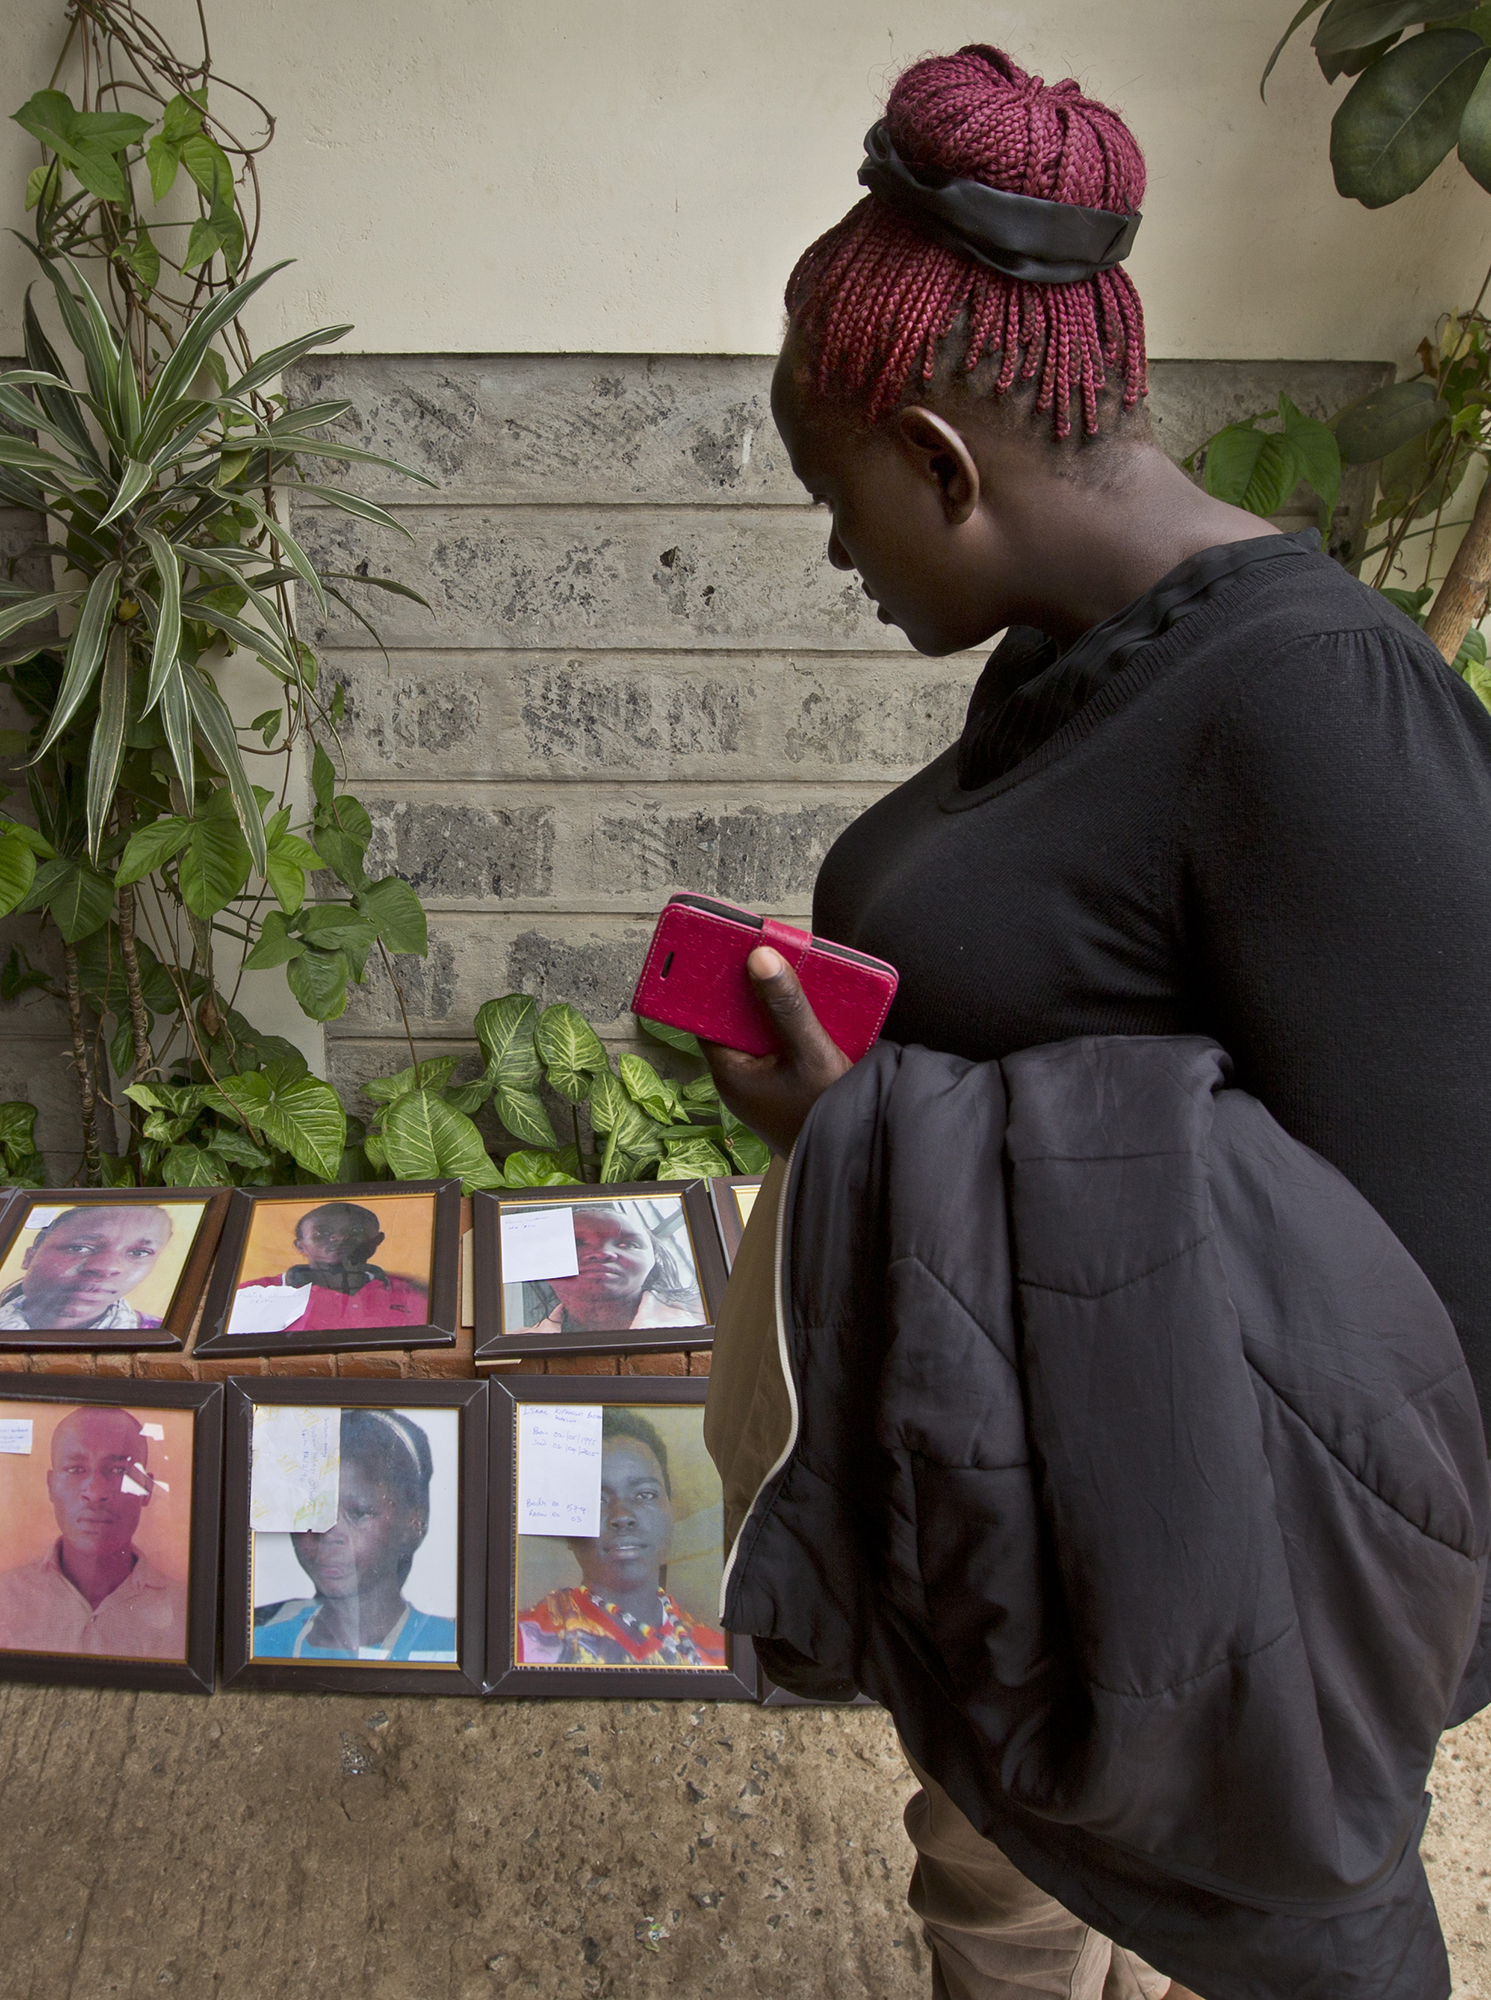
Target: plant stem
(87, 1094)
(139, 1018)
(398, 994)
(1462, 595)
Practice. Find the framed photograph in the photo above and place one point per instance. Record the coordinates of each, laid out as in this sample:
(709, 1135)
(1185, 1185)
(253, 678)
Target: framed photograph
(306, 1272)
(634, 1267)
(109, 1518)
(355, 1535)
(607, 1543)
(732, 1198)
(105, 1267)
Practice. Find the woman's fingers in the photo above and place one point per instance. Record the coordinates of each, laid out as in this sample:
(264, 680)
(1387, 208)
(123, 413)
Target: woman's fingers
(780, 993)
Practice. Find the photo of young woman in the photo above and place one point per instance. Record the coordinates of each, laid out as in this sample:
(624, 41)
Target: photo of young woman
(383, 1577)
(632, 1267)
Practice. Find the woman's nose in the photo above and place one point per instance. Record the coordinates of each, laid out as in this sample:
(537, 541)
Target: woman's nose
(838, 555)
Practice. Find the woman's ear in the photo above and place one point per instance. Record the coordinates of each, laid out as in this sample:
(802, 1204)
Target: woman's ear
(941, 455)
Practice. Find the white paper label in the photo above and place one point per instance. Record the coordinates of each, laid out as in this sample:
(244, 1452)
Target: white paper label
(42, 1218)
(296, 1478)
(267, 1308)
(538, 1243)
(156, 1432)
(559, 1469)
(15, 1434)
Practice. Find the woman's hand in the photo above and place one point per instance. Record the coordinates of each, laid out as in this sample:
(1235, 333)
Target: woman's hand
(774, 1094)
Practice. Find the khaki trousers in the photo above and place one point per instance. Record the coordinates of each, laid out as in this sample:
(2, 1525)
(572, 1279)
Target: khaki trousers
(992, 1933)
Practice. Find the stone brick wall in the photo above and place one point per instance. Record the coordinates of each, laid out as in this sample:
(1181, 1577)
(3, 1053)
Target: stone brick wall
(638, 673)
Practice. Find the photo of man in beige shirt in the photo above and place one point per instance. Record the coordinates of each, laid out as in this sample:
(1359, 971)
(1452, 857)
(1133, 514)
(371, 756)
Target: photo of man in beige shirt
(94, 1592)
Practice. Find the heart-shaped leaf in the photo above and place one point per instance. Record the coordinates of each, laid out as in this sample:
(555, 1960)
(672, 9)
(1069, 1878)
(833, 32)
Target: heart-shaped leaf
(424, 1139)
(571, 1050)
(1252, 468)
(522, 1112)
(505, 1030)
(300, 1114)
(1402, 115)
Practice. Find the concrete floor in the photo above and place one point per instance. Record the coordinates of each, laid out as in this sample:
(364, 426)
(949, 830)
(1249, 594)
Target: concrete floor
(293, 1847)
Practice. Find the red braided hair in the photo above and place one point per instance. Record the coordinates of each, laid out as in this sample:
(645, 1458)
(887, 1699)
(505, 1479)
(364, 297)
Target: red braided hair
(875, 296)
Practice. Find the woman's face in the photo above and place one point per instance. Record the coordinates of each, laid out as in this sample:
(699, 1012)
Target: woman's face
(615, 1258)
(375, 1532)
(636, 1523)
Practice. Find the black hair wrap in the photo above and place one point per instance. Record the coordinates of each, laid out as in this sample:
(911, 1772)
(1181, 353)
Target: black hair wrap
(1041, 242)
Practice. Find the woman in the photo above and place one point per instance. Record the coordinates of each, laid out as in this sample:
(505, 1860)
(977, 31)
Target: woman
(629, 1276)
(358, 1567)
(1208, 785)
(621, 1615)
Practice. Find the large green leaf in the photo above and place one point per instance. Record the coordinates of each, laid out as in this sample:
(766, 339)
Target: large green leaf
(523, 1113)
(570, 1049)
(291, 550)
(61, 403)
(1421, 478)
(1402, 115)
(318, 979)
(504, 1029)
(673, 1038)
(168, 616)
(17, 872)
(278, 359)
(1318, 455)
(77, 897)
(18, 1126)
(608, 1100)
(151, 847)
(215, 861)
(1380, 421)
(425, 1139)
(176, 377)
(1355, 24)
(1475, 132)
(85, 651)
(1251, 468)
(276, 945)
(106, 751)
(301, 1115)
(31, 610)
(749, 1154)
(176, 719)
(396, 914)
(290, 860)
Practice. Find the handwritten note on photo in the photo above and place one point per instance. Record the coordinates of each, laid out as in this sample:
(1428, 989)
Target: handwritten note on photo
(268, 1308)
(559, 1469)
(295, 1484)
(538, 1243)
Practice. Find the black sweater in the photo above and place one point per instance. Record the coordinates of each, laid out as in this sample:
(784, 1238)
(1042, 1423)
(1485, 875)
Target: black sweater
(1254, 805)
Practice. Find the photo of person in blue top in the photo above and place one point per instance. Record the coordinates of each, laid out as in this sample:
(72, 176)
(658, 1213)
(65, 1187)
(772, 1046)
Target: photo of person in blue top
(358, 1567)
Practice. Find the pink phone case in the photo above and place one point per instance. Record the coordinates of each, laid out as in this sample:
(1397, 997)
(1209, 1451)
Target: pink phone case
(695, 977)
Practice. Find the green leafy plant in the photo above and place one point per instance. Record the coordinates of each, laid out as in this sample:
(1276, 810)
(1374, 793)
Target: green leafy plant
(1421, 89)
(636, 1123)
(1421, 435)
(159, 462)
(21, 1165)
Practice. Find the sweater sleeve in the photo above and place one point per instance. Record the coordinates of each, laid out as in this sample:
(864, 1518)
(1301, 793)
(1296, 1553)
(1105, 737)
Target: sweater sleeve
(1336, 862)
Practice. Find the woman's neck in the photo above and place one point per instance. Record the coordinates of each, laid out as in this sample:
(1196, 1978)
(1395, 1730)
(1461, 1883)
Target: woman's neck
(348, 1623)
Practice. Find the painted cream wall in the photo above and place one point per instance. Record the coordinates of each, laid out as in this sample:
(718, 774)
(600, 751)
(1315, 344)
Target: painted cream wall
(638, 175)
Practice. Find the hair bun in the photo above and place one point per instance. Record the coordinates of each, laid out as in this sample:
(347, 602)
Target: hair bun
(978, 115)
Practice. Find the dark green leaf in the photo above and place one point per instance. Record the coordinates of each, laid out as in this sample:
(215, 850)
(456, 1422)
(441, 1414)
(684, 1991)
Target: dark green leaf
(323, 778)
(1318, 454)
(1352, 24)
(290, 860)
(151, 847)
(1475, 133)
(674, 1038)
(17, 872)
(397, 915)
(1418, 478)
(1379, 422)
(1310, 7)
(750, 1154)
(318, 979)
(276, 945)
(77, 896)
(215, 861)
(343, 855)
(106, 750)
(161, 160)
(1401, 116)
(1252, 468)
(215, 724)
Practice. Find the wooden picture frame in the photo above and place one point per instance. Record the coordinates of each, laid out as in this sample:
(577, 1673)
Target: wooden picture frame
(306, 1670)
(654, 1398)
(725, 1202)
(179, 1306)
(39, 1589)
(700, 1241)
(246, 1205)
